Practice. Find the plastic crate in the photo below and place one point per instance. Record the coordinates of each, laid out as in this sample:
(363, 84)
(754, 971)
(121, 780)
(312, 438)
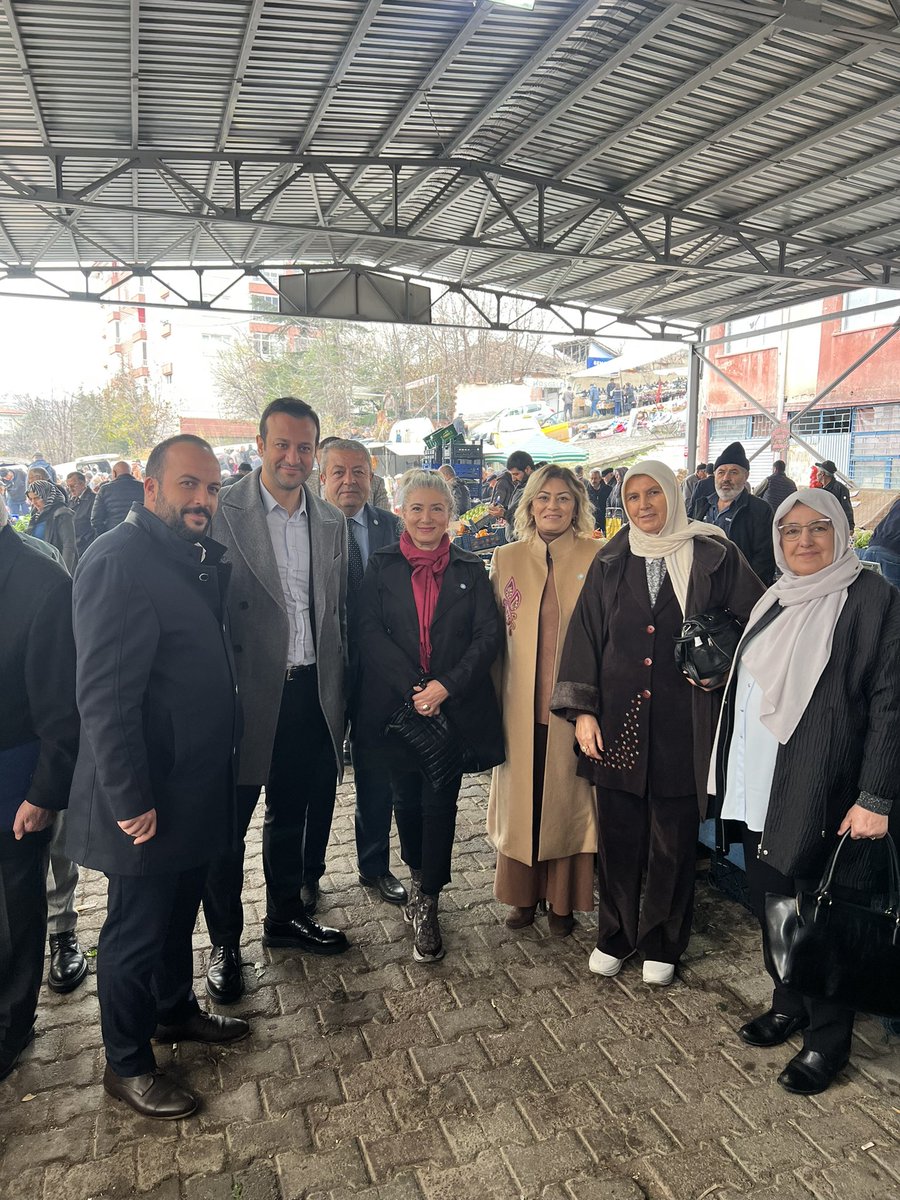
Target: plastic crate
(447, 433)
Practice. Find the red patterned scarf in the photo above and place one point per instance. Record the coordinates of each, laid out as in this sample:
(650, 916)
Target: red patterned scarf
(428, 567)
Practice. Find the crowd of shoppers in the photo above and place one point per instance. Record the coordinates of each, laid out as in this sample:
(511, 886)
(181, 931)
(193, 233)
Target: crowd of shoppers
(219, 641)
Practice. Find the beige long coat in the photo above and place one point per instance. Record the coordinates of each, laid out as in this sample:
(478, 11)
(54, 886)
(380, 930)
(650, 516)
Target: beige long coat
(568, 813)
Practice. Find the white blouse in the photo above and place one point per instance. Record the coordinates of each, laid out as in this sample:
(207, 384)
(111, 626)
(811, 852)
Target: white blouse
(751, 759)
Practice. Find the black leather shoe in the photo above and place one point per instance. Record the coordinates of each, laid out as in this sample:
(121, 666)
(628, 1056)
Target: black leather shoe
(303, 933)
(68, 966)
(153, 1095)
(9, 1059)
(204, 1027)
(809, 1073)
(389, 887)
(771, 1029)
(309, 898)
(224, 977)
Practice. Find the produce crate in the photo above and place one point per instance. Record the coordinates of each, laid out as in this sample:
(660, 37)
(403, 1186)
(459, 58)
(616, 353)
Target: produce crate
(438, 437)
(471, 541)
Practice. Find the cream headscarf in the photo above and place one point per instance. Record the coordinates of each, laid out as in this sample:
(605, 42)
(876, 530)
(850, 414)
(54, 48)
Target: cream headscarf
(788, 657)
(675, 541)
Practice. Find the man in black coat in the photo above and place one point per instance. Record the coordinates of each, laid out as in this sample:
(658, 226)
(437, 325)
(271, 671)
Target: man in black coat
(830, 483)
(82, 505)
(114, 500)
(346, 474)
(152, 796)
(746, 519)
(38, 740)
(599, 487)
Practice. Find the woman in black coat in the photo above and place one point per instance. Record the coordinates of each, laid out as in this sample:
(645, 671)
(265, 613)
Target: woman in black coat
(428, 628)
(53, 522)
(643, 731)
(809, 746)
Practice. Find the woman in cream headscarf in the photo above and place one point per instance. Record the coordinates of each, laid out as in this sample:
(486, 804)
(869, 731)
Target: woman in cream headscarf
(808, 745)
(644, 733)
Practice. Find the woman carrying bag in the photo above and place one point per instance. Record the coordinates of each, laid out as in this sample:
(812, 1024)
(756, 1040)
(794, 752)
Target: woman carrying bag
(808, 748)
(429, 631)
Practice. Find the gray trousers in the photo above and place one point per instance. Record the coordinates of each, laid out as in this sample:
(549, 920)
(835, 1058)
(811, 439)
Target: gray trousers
(62, 879)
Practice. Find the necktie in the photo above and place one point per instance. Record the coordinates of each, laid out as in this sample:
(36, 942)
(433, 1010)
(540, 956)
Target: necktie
(355, 565)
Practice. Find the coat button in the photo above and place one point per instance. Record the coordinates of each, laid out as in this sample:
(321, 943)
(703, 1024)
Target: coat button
(646, 694)
(204, 577)
(651, 629)
(244, 604)
(648, 662)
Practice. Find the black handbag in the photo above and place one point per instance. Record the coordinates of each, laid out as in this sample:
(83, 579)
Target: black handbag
(705, 647)
(833, 949)
(432, 740)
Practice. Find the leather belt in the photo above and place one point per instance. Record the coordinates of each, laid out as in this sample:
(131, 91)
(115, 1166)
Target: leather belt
(296, 672)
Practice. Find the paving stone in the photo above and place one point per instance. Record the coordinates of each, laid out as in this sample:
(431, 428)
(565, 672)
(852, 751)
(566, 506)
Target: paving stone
(471, 1135)
(282, 1095)
(392, 1071)
(487, 1176)
(550, 1161)
(420, 1147)
(452, 1023)
(403, 1187)
(113, 1176)
(251, 1140)
(449, 1098)
(503, 1083)
(156, 1163)
(762, 1155)
(256, 1183)
(434, 1061)
(323, 1170)
(242, 1104)
(383, 1037)
(333, 1125)
(604, 1187)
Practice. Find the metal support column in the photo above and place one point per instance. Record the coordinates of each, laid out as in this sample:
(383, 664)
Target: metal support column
(693, 408)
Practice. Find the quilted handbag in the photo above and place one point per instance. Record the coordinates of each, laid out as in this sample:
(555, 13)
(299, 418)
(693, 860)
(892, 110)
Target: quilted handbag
(705, 647)
(832, 949)
(433, 742)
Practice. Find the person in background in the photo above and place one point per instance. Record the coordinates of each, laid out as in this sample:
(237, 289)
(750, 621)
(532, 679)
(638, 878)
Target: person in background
(599, 488)
(428, 630)
(812, 703)
(459, 425)
(53, 521)
(39, 475)
(243, 468)
(829, 482)
(519, 466)
(690, 484)
(593, 398)
(81, 504)
(614, 505)
(776, 487)
(643, 731)
(744, 518)
(884, 548)
(38, 460)
(38, 743)
(462, 501)
(567, 403)
(346, 483)
(541, 816)
(14, 481)
(114, 499)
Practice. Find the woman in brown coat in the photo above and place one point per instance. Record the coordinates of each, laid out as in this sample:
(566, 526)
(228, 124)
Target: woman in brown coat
(541, 817)
(644, 732)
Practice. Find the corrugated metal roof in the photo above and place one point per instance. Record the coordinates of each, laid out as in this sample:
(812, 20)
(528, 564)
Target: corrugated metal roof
(664, 158)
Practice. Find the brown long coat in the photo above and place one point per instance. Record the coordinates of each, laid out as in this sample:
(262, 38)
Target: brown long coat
(568, 812)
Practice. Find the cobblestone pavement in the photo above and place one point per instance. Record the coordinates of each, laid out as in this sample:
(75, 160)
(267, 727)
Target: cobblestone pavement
(507, 1070)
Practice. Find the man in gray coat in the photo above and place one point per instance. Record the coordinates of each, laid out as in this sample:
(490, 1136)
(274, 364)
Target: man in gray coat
(287, 608)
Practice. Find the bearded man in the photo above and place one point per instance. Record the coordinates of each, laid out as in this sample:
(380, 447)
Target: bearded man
(745, 518)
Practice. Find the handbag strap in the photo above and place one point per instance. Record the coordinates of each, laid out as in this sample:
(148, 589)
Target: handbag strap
(823, 891)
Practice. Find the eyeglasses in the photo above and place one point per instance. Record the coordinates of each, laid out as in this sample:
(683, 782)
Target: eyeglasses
(817, 529)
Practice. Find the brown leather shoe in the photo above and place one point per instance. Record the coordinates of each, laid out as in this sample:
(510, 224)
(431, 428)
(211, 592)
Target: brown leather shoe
(153, 1095)
(518, 918)
(560, 926)
(204, 1027)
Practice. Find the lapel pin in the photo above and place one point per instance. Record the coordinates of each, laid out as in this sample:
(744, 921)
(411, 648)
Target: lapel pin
(580, 575)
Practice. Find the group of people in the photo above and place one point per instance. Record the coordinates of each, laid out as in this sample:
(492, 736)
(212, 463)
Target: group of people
(222, 641)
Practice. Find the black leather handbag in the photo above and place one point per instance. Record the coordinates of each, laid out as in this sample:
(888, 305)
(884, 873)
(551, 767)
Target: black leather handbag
(433, 742)
(832, 949)
(705, 647)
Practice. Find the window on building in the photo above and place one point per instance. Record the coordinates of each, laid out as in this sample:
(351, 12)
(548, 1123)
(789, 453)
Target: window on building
(730, 429)
(760, 426)
(736, 331)
(262, 302)
(875, 417)
(264, 345)
(823, 420)
(867, 320)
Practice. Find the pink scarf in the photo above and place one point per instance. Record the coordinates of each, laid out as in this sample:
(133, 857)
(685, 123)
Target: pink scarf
(428, 567)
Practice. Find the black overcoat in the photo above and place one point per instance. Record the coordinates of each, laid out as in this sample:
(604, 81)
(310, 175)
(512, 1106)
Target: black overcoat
(618, 663)
(157, 693)
(465, 640)
(847, 741)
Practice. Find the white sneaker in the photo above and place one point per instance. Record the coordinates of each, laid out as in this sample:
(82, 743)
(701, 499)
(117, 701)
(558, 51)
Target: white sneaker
(658, 972)
(604, 964)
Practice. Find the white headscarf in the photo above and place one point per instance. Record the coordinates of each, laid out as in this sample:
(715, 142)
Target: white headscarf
(788, 657)
(675, 541)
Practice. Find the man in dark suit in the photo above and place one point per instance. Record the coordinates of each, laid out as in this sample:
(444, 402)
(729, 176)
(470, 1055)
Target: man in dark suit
(38, 741)
(81, 504)
(830, 483)
(346, 473)
(152, 797)
(286, 602)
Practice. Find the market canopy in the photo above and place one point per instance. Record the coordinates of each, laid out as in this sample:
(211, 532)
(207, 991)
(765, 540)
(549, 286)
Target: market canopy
(675, 162)
(541, 449)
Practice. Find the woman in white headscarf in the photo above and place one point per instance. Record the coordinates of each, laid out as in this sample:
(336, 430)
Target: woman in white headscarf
(808, 745)
(643, 732)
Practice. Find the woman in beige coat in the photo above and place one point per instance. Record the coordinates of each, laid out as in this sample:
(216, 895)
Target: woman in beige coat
(541, 817)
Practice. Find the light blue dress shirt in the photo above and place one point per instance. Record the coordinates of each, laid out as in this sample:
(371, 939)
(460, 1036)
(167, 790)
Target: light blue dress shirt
(361, 530)
(290, 541)
(751, 758)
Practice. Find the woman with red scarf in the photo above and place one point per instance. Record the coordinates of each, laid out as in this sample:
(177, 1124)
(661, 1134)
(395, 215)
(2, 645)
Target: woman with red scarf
(428, 629)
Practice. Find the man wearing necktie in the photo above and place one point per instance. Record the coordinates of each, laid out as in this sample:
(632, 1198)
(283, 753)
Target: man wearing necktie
(346, 472)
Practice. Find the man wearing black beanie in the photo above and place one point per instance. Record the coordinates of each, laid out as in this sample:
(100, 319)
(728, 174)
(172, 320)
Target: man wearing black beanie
(745, 518)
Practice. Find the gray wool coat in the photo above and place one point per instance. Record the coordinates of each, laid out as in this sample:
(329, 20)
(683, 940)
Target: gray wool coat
(259, 621)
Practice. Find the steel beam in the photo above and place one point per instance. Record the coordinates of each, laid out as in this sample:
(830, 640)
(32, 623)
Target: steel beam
(693, 407)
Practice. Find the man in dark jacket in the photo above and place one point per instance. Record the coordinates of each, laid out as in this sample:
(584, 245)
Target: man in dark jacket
(152, 796)
(38, 740)
(599, 487)
(82, 505)
(830, 482)
(777, 486)
(114, 500)
(746, 519)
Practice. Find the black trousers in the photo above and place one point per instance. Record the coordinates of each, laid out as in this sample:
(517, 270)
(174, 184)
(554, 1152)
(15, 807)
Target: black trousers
(426, 824)
(145, 962)
(653, 838)
(300, 793)
(23, 930)
(374, 807)
(830, 1028)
